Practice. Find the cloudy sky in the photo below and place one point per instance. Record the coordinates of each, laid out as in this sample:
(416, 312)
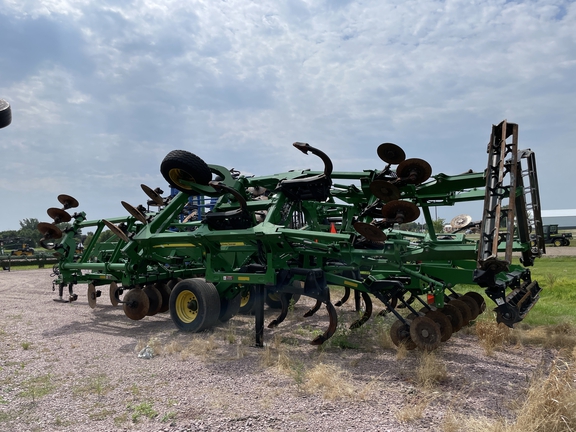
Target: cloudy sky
(102, 91)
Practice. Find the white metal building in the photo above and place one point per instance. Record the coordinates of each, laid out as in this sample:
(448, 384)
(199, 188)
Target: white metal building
(565, 218)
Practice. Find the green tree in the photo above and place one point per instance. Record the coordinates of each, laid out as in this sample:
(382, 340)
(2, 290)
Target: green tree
(438, 225)
(106, 235)
(29, 231)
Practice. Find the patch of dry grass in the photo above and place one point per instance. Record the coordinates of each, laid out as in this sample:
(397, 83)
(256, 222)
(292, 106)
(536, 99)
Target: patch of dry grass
(549, 405)
(430, 370)
(492, 335)
(330, 380)
(200, 346)
(382, 334)
(414, 408)
(559, 336)
(401, 352)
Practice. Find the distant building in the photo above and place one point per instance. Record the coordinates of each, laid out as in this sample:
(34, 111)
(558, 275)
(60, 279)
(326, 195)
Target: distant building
(565, 218)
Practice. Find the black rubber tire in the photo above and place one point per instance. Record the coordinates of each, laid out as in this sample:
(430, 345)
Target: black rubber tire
(183, 165)
(247, 302)
(273, 300)
(172, 283)
(229, 308)
(5, 114)
(194, 305)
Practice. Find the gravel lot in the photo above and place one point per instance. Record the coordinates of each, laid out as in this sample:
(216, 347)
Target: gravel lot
(66, 367)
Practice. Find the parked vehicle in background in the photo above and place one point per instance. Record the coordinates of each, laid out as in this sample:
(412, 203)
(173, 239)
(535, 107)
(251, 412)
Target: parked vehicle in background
(552, 236)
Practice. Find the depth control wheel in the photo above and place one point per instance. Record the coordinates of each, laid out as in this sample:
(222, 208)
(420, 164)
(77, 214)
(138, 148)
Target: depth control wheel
(194, 305)
(247, 299)
(179, 165)
(229, 308)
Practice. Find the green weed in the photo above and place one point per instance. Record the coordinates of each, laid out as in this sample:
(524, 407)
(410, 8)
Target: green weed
(99, 385)
(169, 416)
(37, 387)
(144, 409)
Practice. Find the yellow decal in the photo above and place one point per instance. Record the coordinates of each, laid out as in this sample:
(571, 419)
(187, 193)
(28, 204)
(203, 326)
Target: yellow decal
(232, 244)
(352, 284)
(243, 278)
(173, 245)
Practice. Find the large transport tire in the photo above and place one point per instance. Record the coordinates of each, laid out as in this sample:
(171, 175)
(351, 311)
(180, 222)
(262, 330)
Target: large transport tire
(5, 114)
(181, 165)
(194, 305)
(229, 308)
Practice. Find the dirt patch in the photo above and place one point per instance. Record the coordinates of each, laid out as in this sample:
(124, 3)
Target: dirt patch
(66, 367)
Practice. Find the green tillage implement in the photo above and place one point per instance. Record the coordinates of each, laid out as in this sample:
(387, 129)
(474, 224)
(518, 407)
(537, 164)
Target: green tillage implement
(299, 232)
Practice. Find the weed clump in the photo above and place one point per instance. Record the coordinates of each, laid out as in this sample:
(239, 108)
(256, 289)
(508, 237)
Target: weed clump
(330, 380)
(430, 370)
(549, 405)
(492, 335)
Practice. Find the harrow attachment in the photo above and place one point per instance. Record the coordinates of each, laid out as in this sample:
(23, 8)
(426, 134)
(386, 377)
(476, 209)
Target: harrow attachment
(223, 243)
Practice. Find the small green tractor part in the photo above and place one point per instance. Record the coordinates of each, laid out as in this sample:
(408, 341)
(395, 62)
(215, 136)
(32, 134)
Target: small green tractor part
(273, 239)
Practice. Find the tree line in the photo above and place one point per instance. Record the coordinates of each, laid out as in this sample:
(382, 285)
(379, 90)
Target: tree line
(28, 234)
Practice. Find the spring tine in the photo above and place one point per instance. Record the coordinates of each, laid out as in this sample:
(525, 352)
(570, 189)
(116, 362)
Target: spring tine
(345, 298)
(319, 340)
(367, 313)
(313, 310)
(285, 303)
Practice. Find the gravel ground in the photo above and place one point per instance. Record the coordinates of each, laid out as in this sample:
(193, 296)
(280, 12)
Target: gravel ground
(66, 367)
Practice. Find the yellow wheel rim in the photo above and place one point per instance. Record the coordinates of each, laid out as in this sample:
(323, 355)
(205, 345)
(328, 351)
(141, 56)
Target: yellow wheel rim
(187, 307)
(177, 174)
(245, 298)
(274, 296)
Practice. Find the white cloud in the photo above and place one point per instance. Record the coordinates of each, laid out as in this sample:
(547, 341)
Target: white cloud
(116, 86)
